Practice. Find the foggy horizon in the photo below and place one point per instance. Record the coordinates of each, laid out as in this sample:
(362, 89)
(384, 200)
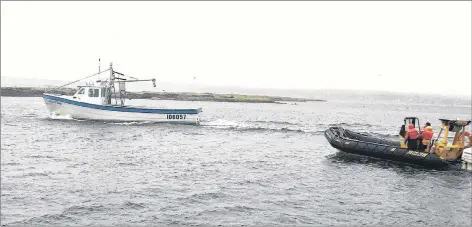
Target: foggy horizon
(396, 47)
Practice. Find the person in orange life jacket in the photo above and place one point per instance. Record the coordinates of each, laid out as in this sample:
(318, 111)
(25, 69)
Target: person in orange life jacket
(426, 137)
(411, 137)
(425, 126)
(423, 129)
(420, 136)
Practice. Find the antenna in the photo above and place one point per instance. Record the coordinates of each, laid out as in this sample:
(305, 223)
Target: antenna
(99, 64)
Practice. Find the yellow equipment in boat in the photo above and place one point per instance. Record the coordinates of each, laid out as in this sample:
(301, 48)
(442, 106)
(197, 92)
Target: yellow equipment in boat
(441, 145)
(446, 149)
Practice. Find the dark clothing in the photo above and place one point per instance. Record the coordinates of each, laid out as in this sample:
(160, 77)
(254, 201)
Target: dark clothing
(422, 147)
(412, 144)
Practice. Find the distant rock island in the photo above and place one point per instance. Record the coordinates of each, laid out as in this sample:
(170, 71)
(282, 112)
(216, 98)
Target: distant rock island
(180, 96)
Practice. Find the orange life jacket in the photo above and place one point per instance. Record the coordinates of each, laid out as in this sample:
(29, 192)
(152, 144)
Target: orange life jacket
(427, 135)
(412, 134)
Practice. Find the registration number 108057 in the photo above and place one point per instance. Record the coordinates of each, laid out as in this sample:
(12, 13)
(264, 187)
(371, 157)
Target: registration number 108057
(176, 116)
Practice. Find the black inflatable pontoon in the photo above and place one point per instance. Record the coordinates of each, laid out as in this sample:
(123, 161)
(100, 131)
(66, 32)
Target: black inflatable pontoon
(358, 143)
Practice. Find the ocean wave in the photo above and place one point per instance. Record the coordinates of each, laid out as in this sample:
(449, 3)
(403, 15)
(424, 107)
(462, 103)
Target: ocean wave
(126, 164)
(248, 127)
(282, 126)
(241, 208)
(58, 159)
(11, 164)
(220, 123)
(27, 115)
(77, 210)
(48, 219)
(134, 206)
(277, 122)
(75, 165)
(9, 124)
(208, 195)
(40, 156)
(36, 174)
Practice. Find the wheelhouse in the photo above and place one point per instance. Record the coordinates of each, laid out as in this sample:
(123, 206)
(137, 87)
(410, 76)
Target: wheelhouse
(91, 94)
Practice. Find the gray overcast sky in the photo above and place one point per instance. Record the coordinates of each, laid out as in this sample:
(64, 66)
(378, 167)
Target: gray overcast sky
(422, 46)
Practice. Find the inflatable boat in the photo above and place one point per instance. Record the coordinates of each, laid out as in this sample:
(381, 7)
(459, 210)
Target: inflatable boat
(440, 153)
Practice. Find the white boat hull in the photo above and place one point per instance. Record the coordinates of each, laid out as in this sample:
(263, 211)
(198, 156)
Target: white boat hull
(65, 106)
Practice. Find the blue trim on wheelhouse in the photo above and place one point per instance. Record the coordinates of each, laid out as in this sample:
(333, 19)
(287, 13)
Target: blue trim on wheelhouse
(121, 109)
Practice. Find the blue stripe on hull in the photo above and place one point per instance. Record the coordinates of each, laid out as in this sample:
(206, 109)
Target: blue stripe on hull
(121, 109)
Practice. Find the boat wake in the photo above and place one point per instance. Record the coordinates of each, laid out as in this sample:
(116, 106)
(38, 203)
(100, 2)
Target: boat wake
(265, 126)
(221, 123)
(261, 126)
(62, 117)
(68, 117)
(131, 123)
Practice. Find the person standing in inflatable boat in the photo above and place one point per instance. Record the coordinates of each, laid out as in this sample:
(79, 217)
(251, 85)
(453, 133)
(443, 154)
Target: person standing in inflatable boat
(411, 137)
(426, 137)
(420, 136)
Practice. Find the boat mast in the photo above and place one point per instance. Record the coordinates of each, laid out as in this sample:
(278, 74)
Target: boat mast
(111, 84)
(121, 81)
(111, 75)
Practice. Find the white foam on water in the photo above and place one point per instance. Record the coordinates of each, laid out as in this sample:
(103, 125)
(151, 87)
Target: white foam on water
(60, 117)
(129, 123)
(227, 124)
(222, 123)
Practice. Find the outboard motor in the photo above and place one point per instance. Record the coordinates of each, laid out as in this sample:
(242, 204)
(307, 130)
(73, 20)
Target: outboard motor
(467, 159)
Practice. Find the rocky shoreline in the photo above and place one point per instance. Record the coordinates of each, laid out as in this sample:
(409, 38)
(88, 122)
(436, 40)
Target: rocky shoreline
(180, 96)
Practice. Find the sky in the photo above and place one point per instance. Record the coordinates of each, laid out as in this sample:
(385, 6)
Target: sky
(422, 47)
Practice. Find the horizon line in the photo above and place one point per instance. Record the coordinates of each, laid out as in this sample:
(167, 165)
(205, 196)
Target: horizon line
(206, 86)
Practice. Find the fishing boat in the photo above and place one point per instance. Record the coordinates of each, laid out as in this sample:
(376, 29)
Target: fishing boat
(446, 150)
(104, 100)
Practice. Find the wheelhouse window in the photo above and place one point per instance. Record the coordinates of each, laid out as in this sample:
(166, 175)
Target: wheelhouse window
(81, 91)
(95, 93)
(103, 92)
(90, 92)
